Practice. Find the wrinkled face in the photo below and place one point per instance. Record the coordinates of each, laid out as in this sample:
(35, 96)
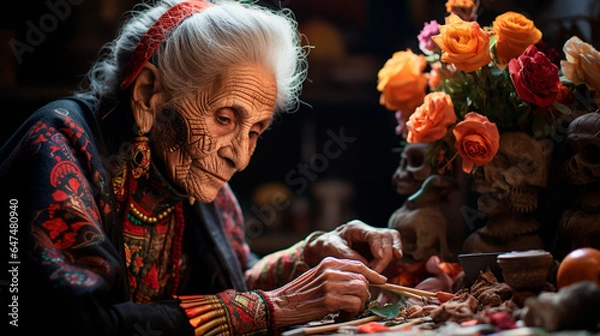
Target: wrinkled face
(205, 138)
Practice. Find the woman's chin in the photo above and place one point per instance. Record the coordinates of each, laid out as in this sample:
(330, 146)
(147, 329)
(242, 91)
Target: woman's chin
(206, 195)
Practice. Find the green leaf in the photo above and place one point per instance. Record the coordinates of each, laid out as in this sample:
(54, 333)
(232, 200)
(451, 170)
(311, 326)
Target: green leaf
(386, 311)
(539, 126)
(432, 58)
(562, 108)
(492, 41)
(522, 117)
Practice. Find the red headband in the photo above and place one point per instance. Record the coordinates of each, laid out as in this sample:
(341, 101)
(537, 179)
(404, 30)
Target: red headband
(156, 34)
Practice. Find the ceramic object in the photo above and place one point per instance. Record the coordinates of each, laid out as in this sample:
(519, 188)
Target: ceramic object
(525, 270)
(473, 263)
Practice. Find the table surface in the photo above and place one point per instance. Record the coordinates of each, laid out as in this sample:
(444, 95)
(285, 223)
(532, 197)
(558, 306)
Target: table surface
(447, 330)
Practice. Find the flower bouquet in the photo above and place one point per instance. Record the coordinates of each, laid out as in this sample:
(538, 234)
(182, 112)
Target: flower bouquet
(471, 84)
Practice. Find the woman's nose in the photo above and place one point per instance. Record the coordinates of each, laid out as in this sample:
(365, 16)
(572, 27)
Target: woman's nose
(238, 153)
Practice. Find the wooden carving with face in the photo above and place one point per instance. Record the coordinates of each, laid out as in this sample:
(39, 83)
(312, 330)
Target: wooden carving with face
(204, 138)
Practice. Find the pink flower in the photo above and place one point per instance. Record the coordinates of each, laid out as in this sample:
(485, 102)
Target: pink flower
(535, 77)
(401, 119)
(426, 44)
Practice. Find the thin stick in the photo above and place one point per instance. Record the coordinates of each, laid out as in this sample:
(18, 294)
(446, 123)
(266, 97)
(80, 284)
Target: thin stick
(328, 327)
(402, 289)
(411, 323)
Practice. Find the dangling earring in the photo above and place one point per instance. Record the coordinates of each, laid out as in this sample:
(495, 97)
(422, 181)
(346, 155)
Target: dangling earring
(140, 156)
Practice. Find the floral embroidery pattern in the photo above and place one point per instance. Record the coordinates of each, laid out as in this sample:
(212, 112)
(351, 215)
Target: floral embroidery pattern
(68, 218)
(247, 312)
(66, 274)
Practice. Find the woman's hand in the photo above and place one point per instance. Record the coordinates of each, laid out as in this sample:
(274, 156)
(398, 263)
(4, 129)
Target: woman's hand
(335, 285)
(375, 247)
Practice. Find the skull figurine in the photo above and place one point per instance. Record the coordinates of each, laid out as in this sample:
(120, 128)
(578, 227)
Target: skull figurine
(509, 187)
(413, 169)
(583, 138)
(515, 175)
(421, 222)
(579, 225)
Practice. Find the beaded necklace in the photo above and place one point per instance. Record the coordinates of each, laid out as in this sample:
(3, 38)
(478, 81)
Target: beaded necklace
(153, 244)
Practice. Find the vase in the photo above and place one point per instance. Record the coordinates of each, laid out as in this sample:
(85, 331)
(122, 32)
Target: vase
(508, 190)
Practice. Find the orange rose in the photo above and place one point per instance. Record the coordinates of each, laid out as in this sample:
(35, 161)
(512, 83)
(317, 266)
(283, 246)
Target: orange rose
(464, 8)
(582, 64)
(435, 77)
(431, 120)
(514, 33)
(477, 140)
(463, 43)
(564, 96)
(402, 82)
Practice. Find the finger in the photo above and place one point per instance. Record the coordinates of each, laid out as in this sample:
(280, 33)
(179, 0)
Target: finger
(382, 252)
(396, 243)
(397, 246)
(360, 268)
(346, 252)
(348, 293)
(351, 304)
(371, 275)
(349, 283)
(388, 242)
(354, 232)
(384, 244)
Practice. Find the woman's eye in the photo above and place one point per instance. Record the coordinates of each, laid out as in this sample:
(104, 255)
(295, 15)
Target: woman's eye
(223, 120)
(254, 134)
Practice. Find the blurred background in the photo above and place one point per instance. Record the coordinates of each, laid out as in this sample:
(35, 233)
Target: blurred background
(328, 162)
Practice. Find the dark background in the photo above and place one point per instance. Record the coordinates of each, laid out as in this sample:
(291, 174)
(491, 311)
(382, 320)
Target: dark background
(352, 39)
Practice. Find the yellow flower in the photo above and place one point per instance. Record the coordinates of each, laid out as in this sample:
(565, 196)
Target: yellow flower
(402, 82)
(514, 33)
(582, 64)
(463, 43)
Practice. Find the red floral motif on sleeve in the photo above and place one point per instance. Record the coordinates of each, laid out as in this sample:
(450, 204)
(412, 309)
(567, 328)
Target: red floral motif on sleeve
(55, 227)
(68, 217)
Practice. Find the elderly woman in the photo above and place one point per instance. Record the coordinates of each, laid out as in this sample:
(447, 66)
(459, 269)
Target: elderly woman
(126, 222)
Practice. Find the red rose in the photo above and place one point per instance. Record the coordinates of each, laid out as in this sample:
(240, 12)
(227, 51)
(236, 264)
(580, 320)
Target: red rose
(535, 77)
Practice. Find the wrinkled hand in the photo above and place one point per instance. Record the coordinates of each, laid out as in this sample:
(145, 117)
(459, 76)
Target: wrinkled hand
(334, 285)
(375, 247)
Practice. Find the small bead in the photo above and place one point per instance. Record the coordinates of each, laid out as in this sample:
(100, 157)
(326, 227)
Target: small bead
(137, 216)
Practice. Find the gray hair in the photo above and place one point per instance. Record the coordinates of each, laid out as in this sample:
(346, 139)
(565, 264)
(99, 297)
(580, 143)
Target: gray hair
(202, 47)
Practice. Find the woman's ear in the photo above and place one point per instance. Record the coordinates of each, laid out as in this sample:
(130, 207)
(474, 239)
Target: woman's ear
(146, 95)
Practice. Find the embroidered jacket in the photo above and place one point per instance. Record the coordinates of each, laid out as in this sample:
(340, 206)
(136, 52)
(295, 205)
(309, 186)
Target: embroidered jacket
(69, 251)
